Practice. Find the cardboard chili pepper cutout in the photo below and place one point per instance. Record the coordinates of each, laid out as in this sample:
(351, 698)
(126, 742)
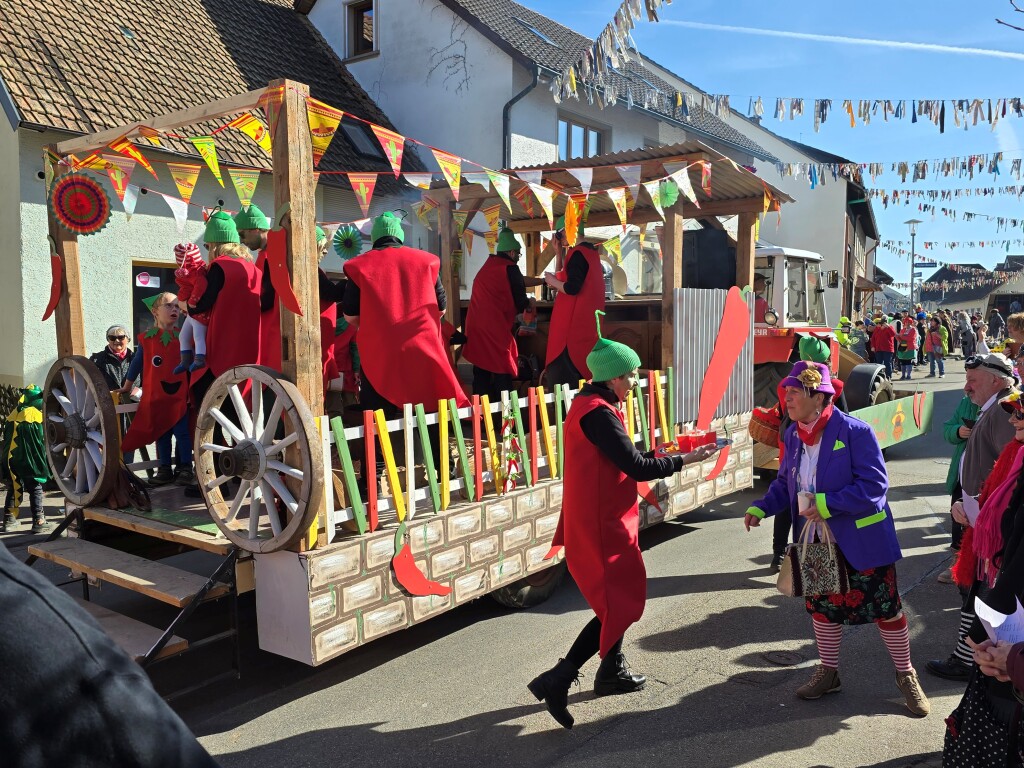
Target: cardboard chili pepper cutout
(919, 407)
(647, 494)
(408, 575)
(277, 261)
(732, 335)
(56, 280)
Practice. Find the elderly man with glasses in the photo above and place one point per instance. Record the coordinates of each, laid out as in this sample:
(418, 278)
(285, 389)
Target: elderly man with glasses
(989, 379)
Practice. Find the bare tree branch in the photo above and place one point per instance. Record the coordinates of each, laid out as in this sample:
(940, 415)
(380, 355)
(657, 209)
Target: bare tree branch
(1017, 9)
(451, 59)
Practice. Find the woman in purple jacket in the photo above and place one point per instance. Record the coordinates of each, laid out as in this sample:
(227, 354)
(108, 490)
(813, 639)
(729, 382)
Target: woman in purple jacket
(832, 474)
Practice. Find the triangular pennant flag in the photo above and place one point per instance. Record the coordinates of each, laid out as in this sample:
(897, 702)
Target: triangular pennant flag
(682, 178)
(525, 198)
(245, 182)
(131, 197)
(93, 162)
(467, 241)
(362, 185)
(185, 175)
(613, 248)
(316, 178)
(124, 147)
(120, 172)
(654, 191)
(254, 129)
(180, 210)
(491, 237)
(492, 214)
(531, 177)
(323, 124)
(152, 135)
(270, 102)
(631, 175)
(585, 176)
(546, 198)
(393, 145)
(618, 197)
(50, 158)
(207, 149)
(500, 182)
(207, 212)
(451, 167)
(423, 209)
(461, 219)
(705, 177)
(481, 178)
(419, 180)
(630, 204)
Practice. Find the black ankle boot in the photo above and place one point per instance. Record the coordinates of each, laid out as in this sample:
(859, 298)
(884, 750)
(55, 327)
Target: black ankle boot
(613, 676)
(552, 687)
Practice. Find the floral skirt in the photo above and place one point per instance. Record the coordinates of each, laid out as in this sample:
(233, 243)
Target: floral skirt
(873, 596)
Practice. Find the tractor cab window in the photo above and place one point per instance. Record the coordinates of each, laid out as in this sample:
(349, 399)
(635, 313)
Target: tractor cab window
(815, 295)
(796, 292)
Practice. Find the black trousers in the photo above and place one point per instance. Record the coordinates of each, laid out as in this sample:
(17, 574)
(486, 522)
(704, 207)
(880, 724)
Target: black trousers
(562, 371)
(588, 643)
(490, 384)
(31, 488)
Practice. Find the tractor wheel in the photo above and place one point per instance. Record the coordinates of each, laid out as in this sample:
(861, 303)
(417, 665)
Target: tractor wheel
(867, 385)
(766, 382)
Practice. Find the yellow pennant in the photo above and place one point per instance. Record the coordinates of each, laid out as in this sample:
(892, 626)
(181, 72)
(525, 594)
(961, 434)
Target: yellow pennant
(492, 214)
(323, 124)
(491, 236)
(185, 175)
(254, 129)
(461, 219)
(245, 182)
(451, 167)
(613, 248)
(124, 147)
(618, 198)
(152, 135)
(207, 149)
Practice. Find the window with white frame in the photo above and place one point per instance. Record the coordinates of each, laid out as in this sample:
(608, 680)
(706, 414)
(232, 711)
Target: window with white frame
(360, 22)
(578, 139)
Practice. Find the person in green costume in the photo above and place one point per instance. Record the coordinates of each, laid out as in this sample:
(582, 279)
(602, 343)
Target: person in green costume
(23, 460)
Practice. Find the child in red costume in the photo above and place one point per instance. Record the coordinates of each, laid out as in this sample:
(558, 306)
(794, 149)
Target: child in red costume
(191, 279)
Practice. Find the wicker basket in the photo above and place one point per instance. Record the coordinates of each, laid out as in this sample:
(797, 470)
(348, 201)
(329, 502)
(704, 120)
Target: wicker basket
(764, 427)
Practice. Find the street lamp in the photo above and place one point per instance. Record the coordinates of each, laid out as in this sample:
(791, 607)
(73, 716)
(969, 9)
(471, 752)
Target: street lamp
(912, 223)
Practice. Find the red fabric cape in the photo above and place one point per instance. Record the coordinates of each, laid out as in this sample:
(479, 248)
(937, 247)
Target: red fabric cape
(164, 393)
(572, 320)
(233, 336)
(492, 312)
(599, 528)
(270, 324)
(400, 346)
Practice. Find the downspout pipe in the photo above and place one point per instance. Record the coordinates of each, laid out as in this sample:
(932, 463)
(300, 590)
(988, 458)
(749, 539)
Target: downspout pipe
(506, 119)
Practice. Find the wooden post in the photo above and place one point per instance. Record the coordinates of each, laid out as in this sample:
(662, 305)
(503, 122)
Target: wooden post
(69, 317)
(446, 236)
(746, 241)
(671, 278)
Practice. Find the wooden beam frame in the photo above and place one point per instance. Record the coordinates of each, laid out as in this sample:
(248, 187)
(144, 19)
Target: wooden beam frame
(746, 242)
(671, 278)
(446, 243)
(243, 102)
(69, 316)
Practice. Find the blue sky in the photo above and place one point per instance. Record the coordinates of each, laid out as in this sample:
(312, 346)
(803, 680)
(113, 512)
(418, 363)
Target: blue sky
(746, 65)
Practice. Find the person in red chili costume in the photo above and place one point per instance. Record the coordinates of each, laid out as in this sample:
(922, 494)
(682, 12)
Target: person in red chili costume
(499, 294)
(395, 297)
(253, 225)
(600, 523)
(580, 289)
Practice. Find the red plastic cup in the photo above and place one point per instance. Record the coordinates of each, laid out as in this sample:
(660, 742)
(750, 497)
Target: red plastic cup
(710, 438)
(681, 442)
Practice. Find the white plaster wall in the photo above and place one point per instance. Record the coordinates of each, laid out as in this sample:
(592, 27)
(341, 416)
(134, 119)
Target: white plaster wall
(11, 255)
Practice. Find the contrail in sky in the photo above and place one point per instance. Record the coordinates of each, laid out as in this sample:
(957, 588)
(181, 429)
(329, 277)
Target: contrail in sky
(927, 47)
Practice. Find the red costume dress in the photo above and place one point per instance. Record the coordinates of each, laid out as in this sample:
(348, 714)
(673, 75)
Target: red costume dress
(599, 528)
(164, 394)
(400, 346)
(233, 336)
(572, 319)
(492, 313)
(344, 357)
(270, 325)
(328, 321)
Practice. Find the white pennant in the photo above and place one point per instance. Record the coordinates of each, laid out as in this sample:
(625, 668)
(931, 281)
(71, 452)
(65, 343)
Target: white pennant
(531, 177)
(419, 180)
(631, 175)
(585, 176)
(131, 197)
(682, 178)
(180, 210)
(478, 178)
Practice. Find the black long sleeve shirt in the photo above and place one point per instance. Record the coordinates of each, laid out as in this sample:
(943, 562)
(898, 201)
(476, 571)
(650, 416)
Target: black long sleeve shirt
(516, 283)
(576, 269)
(603, 429)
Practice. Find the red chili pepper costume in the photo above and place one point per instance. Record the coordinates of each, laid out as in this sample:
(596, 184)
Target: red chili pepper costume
(343, 357)
(400, 346)
(233, 336)
(492, 313)
(572, 319)
(328, 321)
(599, 528)
(164, 393)
(270, 325)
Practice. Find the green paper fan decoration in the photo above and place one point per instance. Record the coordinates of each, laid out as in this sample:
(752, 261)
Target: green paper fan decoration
(669, 193)
(79, 204)
(348, 242)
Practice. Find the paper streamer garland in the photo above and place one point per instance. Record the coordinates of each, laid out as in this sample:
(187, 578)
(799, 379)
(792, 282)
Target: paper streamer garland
(79, 204)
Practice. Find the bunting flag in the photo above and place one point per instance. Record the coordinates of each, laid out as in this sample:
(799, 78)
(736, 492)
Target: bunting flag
(491, 236)
(585, 176)
(525, 200)
(613, 248)
(705, 177)
(574, 217)
(254, 129)
(120, 172)
(546, 198)
(393, 145)
(152, 135)
(131, 197)
(316, 178)
(323, 124)
(93, 162)
(185, 175)
(461, 219)
(362, 185)
(467, 241)
(451, 167)
(179, 208)
(531, 177)
(654, 192)
(631, 175)
(419, 180)
(245, 182)
(682, 178)
(270, 102)
(50, 159)
(207, 149)
(481, 178)
(630, 203)
(618, 197)
(500, 182)
(492, 214)
(423, 209)
(124, 147)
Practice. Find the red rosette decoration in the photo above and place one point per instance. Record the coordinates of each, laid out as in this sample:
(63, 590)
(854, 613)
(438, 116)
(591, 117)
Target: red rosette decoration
(80, 204)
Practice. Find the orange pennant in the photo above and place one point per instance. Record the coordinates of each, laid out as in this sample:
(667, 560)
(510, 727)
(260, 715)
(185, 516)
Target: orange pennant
(618, 198)
(120, 172)
(525, 198)
(393, 145)
(362, 185)
(270, 102)
(451, 167)
(323, 124)
(152, 135)
(185, 175)
(254, 129)
(124, 147)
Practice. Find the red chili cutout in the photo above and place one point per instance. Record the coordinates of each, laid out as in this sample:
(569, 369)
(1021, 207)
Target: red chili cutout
(56, 278)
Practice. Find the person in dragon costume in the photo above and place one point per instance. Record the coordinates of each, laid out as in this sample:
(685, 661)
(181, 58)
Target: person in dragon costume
(23, 463)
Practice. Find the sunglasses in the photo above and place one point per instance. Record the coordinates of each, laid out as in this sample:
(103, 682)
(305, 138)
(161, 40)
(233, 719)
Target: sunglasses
(974, 361)
(116, 338)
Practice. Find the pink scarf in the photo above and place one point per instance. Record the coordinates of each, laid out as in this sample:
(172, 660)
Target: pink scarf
(988, 531)
(119, 355)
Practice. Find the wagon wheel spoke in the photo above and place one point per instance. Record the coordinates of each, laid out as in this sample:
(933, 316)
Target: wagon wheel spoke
(257, 410)
(65, 404)
(236, 503)
(70, 389)
(59, 448)
(214, 448)
(55, 418)
(88, 403)
(254, 512)
(217, 482)
(282, 444)
(271, 504)
(81, 473)
(226, 425)
(281, 490)
(284, 469)
(94, 421)
(92, 467)
(71, 464)
(244, 419)
(267, 437)
(95, 436)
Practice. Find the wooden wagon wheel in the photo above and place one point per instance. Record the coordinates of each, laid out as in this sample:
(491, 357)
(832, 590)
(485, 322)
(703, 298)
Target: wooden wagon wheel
(258, 460)
(81, 430)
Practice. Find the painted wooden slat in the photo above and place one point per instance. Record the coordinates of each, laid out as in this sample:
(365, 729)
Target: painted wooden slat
(348, 474)
(518, 417)
(651, 424)
(324, 423)
(442, 425)
(559, 433)
(630, 418)
(492, 443)
(642, 418)
(659, 399)
(389, 464)
(370, 469)
(671, 395)
(545, 427)
(428, 456)
(478, 449)
(531, 406)
(460, 442)
(410, 460)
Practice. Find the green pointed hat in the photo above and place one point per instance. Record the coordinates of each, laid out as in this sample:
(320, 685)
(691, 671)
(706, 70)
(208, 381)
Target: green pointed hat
(251, 218)
(610, 359)
(220, 228)
(387, 225)
(814, 350)
(149, 301)
(507, 241)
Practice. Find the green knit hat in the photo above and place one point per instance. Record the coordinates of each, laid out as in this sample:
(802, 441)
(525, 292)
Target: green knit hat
(220, 228)
(251, 218)
(814, 350)
(321, 237)
(610, 359)
(507, 241)
(387, 225)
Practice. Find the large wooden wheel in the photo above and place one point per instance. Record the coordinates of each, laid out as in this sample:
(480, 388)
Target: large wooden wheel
(258, 460)
(80, 427)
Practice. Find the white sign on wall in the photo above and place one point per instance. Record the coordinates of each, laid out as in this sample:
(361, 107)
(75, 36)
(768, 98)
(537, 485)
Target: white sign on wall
(146, 280)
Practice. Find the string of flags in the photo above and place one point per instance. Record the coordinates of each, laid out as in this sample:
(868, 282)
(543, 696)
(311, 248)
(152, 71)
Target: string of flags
(895, 196)
(1002, 222)
(966, 167)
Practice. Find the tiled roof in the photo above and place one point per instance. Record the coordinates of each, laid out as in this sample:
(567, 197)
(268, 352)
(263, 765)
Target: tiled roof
(96, 64)
(508, 24)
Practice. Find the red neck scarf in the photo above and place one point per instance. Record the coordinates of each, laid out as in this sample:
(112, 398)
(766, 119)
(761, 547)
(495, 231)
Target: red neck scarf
(119, 355)
(809, 434)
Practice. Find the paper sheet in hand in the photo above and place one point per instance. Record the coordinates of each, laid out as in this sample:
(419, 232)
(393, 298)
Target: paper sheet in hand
(999, 626)
(971, 509)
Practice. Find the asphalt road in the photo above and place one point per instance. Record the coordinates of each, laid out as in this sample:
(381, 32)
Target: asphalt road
(722, 649)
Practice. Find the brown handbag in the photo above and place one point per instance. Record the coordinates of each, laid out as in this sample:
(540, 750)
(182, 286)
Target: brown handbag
(813, 567)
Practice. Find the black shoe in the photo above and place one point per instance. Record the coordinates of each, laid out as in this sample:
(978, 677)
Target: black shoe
(552, 687)
(950, 669)
(776, 565)
(613, 676)
(163, 476)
